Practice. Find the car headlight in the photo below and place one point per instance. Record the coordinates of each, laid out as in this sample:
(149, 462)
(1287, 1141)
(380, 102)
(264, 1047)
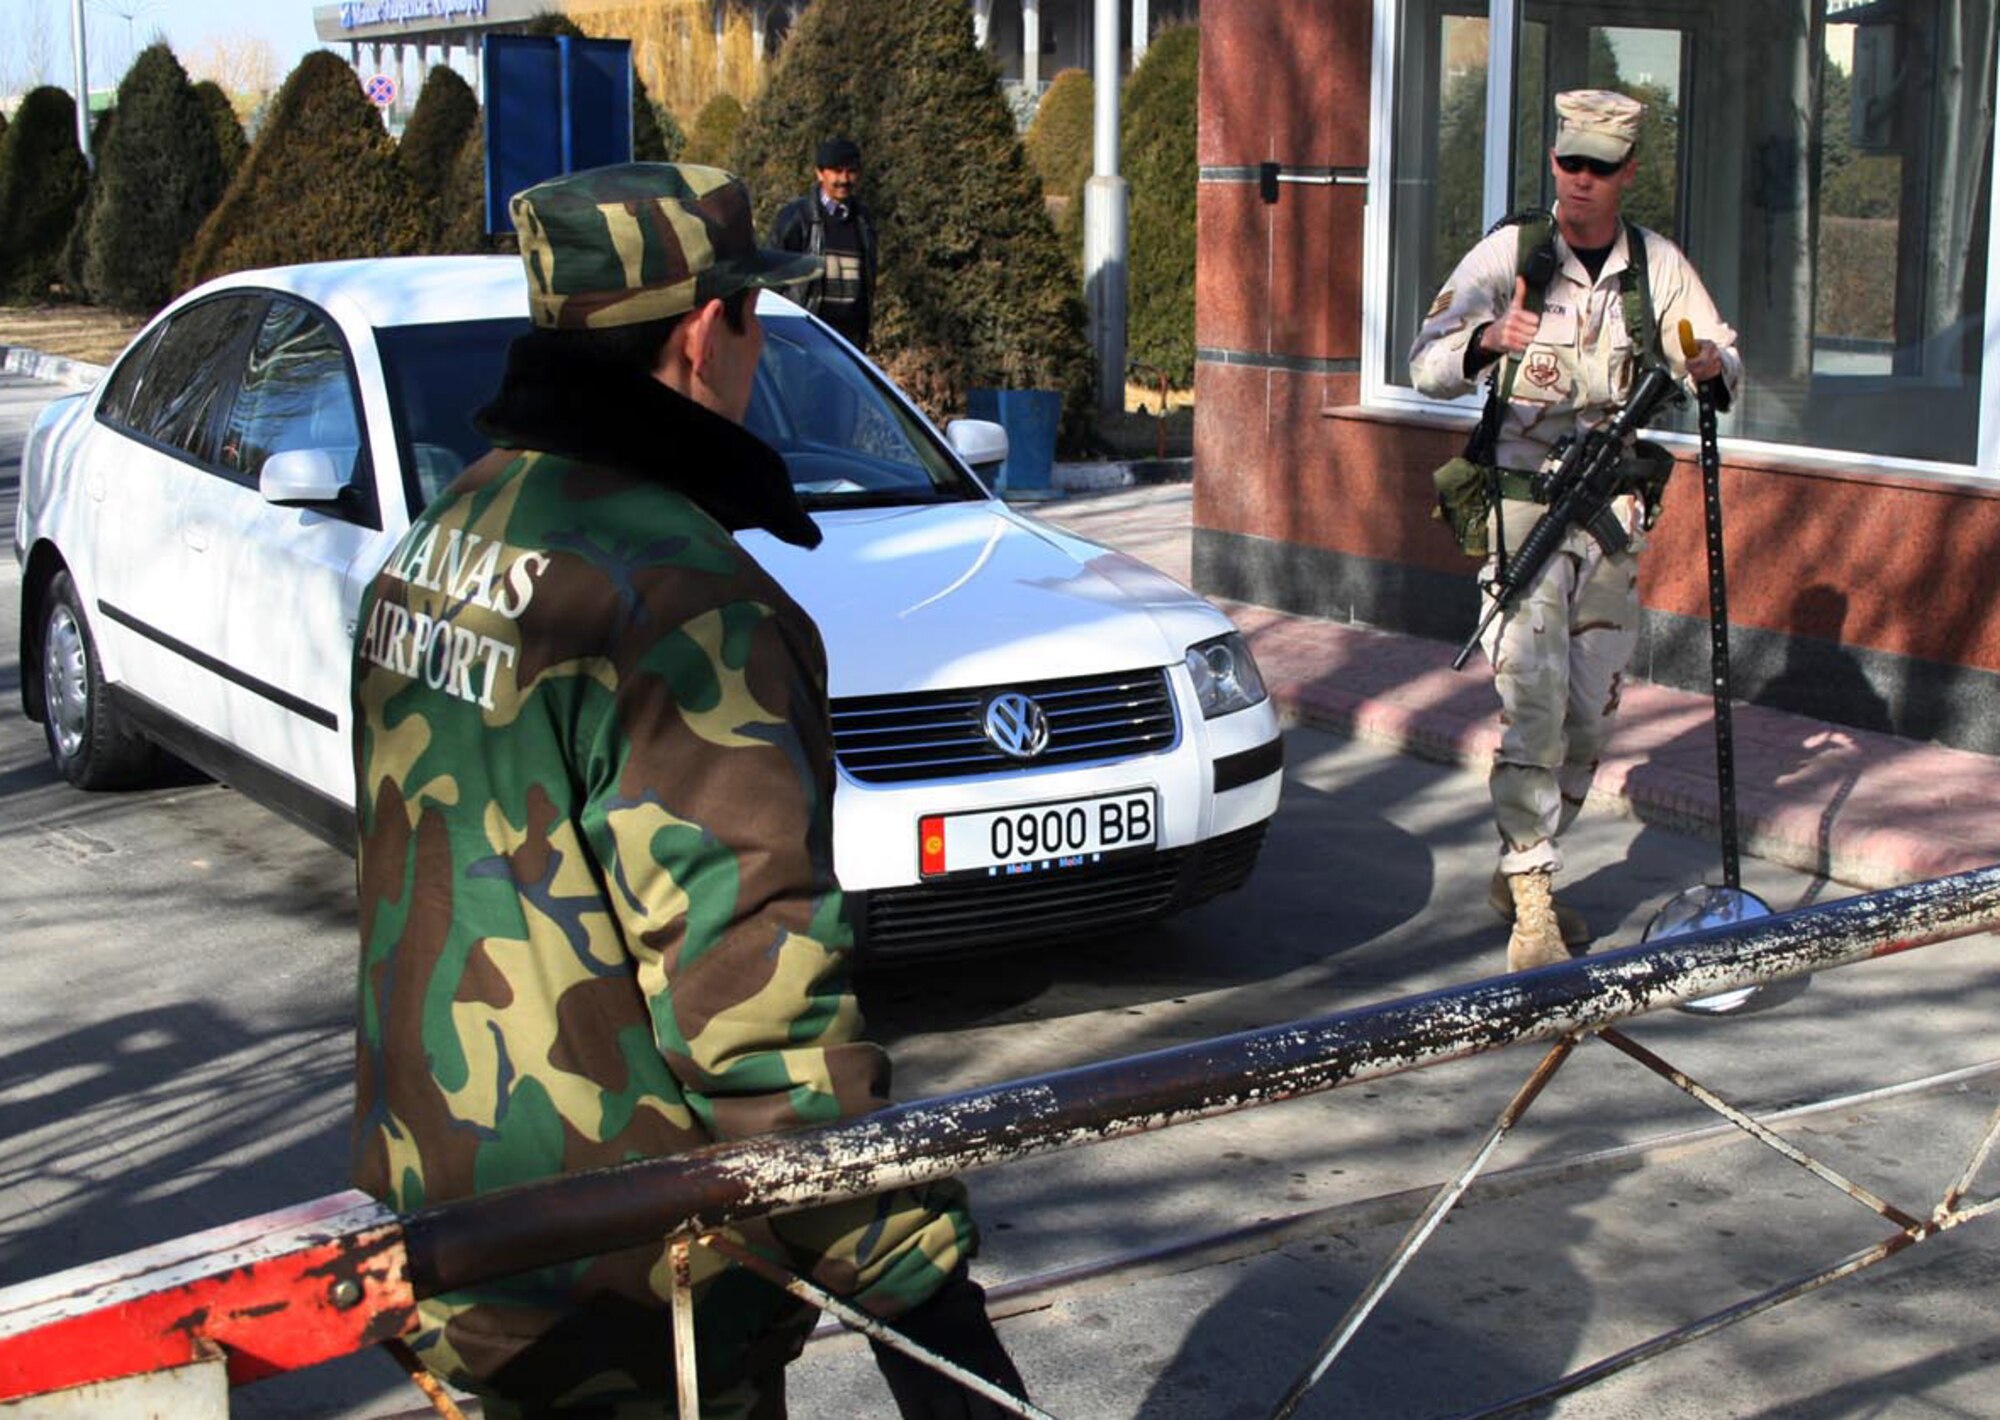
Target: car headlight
(1225, 675)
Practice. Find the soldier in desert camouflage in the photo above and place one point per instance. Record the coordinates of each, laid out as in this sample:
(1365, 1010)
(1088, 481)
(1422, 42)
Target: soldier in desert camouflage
(599, 919)
(1560, 650)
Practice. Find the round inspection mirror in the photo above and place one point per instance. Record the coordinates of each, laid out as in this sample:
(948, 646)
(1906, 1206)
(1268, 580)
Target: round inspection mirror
(1696, 910)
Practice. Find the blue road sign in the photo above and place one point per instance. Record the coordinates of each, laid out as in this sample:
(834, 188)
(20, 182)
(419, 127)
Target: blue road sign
(381, 90)
(554, 105)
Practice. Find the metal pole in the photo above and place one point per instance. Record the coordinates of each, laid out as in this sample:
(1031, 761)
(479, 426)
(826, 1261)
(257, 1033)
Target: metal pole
(473, 1240)
(81, 61)
(1106, 236)
(1713, 395)
(869, 1326)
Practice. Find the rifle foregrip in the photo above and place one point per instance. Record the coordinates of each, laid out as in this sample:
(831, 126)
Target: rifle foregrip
(1542, 540)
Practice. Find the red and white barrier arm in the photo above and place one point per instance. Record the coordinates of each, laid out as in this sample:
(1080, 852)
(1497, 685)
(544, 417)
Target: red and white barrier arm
(277, 1292)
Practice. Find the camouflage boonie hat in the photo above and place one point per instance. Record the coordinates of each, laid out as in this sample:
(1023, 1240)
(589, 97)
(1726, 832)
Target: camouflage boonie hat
(639, 242)
(1596, 123)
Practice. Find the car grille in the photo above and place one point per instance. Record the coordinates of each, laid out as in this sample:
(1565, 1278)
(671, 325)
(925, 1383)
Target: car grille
(990, 912)
(888, 739)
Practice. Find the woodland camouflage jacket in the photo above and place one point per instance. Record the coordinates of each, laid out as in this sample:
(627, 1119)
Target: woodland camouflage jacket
(599, 918)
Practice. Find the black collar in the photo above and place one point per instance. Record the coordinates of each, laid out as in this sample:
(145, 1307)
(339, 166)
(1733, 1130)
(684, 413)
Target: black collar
(557, 400)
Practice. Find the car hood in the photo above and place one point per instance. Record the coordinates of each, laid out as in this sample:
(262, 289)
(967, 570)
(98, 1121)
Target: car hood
(974, 594)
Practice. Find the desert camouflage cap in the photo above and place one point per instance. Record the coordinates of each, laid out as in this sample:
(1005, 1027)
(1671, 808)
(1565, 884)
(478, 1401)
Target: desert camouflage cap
(641, 241)
(1597, 123)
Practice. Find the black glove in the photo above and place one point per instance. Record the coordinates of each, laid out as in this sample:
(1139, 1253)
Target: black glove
(954, 1325)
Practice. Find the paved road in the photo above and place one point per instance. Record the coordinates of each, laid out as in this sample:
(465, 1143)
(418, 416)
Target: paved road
(174, 1044)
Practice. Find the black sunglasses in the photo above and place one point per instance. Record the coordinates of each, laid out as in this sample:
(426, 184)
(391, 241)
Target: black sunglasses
(1576, 163)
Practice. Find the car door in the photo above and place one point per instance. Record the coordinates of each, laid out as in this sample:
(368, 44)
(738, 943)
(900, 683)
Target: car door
(287, 577)
(148, 458)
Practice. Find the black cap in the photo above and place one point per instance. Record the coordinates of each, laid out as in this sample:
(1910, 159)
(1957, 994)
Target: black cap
(838, 153)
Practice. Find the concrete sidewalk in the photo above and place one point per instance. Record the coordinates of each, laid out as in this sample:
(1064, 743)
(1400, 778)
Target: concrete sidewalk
(1864, 809)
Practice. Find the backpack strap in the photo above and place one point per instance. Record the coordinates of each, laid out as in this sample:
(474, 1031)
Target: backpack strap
(1636, 293)
(1534, 234)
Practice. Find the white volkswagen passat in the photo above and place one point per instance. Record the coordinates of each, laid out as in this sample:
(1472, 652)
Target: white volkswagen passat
(1037, 736)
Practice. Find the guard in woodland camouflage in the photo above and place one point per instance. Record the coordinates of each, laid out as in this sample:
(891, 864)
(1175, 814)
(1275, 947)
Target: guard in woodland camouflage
(1572, 354)
(599, 918)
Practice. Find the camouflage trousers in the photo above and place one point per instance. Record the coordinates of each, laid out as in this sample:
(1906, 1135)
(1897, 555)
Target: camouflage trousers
(1559, 657)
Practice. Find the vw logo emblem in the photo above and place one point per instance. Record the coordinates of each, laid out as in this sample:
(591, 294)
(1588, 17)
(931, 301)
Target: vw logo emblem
(1016, 725)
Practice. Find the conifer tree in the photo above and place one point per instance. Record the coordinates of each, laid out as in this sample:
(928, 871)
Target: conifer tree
(444, 117)
(443, 122)
(1059, 137)
(222, 120)
(713, 137)
(973, 288)
(43, 181)
(321, 183)
(159, 175)
(1158, 156)
(76, 246)
(656, 138)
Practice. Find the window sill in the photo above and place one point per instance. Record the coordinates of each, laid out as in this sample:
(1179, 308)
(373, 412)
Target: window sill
(1766, 458)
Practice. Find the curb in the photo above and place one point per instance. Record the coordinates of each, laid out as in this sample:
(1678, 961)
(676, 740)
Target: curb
(1806, 837)
(58, 369)
(1104, 475)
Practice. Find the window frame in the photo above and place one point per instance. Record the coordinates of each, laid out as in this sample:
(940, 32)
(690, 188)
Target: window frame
(229, 364)
(358, 504)
(1379, 391)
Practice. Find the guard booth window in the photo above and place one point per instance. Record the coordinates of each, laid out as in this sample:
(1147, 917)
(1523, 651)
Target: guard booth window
(1828, 164)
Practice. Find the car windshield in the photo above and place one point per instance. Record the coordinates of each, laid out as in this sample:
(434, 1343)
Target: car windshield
(846, 439)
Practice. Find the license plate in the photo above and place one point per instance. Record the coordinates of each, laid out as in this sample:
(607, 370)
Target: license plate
(1065, 834)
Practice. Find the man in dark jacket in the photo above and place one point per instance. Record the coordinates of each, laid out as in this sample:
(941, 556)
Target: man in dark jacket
(599, 919)
(832, 223)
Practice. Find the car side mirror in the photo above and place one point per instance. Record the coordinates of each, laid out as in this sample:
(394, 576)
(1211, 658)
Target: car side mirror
(980, 442)
(301, 476)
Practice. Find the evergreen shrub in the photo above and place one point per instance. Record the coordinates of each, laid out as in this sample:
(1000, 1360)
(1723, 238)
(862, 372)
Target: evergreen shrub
(973, 289)
(440, 125)
(159, 175)
(228, 129)
(1059, 138)
(462, 205)
(70, 276)
(1157, 146)
(43, 181)
(712, 140)
(656, 137)
(321, 183)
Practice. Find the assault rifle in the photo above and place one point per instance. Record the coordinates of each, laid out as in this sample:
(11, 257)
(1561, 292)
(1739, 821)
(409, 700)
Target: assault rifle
(1582, 486)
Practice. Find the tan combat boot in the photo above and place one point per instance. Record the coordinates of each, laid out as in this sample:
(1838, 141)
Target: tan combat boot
(1575, 930)
(1536, 940)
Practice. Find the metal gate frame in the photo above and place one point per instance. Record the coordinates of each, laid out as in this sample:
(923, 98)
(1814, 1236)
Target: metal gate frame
(304, 1285)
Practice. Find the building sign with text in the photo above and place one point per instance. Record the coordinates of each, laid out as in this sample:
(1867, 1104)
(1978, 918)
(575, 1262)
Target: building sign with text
(355, 14)
(351, 21)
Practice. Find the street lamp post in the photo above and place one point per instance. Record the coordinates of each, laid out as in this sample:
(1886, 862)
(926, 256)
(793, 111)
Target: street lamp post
(82, 81)
(1106, 236)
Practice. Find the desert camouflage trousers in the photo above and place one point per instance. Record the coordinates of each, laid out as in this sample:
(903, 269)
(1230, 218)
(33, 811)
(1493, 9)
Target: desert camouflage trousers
(1559, 657)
